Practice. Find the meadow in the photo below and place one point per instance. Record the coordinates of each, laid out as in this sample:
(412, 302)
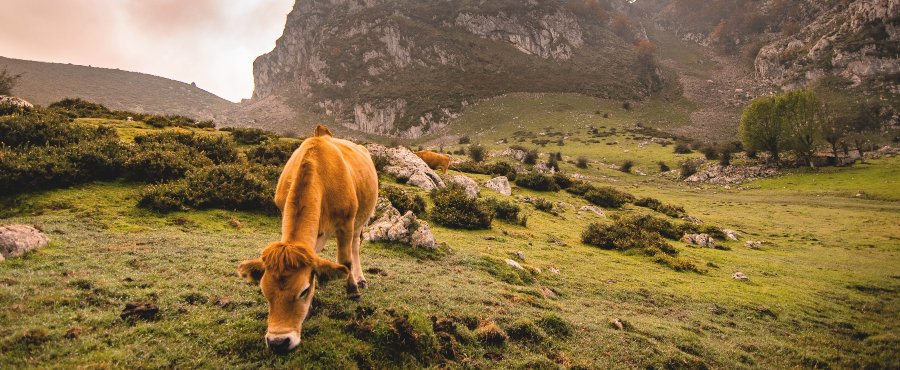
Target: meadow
(822, 290)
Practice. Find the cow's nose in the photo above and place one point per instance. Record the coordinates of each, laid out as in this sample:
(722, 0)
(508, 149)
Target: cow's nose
(279, 344)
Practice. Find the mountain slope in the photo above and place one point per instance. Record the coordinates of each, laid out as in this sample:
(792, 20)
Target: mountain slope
(44, 83)
(405, 68)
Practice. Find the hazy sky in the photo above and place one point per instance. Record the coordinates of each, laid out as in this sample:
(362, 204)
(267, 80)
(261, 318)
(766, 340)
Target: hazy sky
(210, 42)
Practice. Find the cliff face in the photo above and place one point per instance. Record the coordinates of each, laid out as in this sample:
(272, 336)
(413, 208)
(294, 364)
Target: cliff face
(404, 68)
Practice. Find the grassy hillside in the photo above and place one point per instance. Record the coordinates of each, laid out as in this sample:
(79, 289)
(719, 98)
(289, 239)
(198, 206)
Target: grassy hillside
(822, 292)
(44, 83)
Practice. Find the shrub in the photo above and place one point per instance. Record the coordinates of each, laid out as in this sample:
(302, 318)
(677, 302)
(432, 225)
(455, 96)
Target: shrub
(79, 108)
(725, 158)
(454, 208)
(464, 140)
(563, 181)
(381, 161)
(404, 200)
(580, 188)
(525, 330)
(471, 166)
(553, 162)
(688, 168)
(637, 234)
(656, 205)
(218, 149)
(162, 161)
(709, 152)
(273, 153)
(663, 167)
(537, 181)
(531, 156)
(555, 325)
(228, 186)
(477, 153)
(48, 129)
(503, 168)
(682, 148)
(169, 121)
(581, 162)
(508, 211)
(250, 136)
(607, 197)
(626, 166)
(48, 167)
(543, 205)
(8, 81)
(626, 105)
(560, 142)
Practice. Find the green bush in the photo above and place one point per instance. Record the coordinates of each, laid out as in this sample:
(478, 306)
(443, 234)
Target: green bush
(477, 153)
(48, 129)
(49, 167)
(531, 156)
(228, 186)
(165, 161)
(563, 181)
(608, 197)
(688, 168)
(543, 205)
(634, 235)
(580, 188)
(218, 149)
(710, 152)
(159, 121)
(508, 211)
(404, 200)
(503, 168)
(581, 162)
(525, 330)
(453, 208)
(250, 136)
(663, 167)
(537, 181)
(656, 205)
(79, 108)
(555, 325)
(682, 148)
(626, 166)
(272, 153)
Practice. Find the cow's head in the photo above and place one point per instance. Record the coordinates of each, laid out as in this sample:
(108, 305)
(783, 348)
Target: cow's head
(287, 275)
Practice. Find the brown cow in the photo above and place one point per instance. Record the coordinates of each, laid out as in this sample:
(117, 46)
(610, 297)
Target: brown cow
(435, 160)
(328, 188)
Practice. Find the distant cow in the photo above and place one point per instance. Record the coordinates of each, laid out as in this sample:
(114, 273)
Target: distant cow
(435, 160)
(328, 188)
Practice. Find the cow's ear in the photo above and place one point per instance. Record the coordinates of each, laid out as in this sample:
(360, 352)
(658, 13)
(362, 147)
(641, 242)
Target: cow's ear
(327, 270)
(321, 130)
(252, 270)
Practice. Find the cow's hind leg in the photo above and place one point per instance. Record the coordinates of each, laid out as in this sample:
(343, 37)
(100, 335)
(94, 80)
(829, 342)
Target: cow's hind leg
(357, 264)
(345, 257)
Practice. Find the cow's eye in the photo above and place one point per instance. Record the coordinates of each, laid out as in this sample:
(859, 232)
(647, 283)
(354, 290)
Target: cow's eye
(304, 292)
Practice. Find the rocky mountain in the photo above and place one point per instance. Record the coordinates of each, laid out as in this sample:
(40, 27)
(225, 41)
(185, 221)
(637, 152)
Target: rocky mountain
(407, 67)
(44, 83)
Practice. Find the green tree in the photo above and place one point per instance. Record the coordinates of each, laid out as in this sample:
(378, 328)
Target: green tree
(801, 111)
(762, 127)
(8, 81)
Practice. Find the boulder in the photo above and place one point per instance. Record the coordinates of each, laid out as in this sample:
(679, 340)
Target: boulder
(753, 244)
(514, 264)
(740, 276)
(516, 154)
(701, 240)
(16, 240)
(553, 269)
(731, 234)
(520, 255)
(406, 166)
(15, 102)
(470, 185)
(405, 229)
(499, 184)
(544, 167)
(594, 209)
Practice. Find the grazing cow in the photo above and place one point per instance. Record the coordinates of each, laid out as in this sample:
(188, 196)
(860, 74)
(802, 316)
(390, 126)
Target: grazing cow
(435, 160)
(328, 188)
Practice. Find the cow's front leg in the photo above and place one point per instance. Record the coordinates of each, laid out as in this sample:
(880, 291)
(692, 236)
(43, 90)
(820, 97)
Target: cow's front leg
(345, 257)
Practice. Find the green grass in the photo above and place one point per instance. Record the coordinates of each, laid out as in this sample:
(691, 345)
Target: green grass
(823, 289)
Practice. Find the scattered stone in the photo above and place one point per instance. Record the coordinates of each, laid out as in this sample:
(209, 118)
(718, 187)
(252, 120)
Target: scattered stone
(16, 240)
(693, 220)
(393, 227)
(594, 209)
(618, 324)
(544, 167)
(553, 270)
(235, 223)
(701, 240)
(223, 303)
(490, 237)
(716, 309)
(516, 154)
(140, 310)
(548, 293)
(470, 185)
(74, 332)
(734, 174)
(404, 164)
(520, 255)
(740, 276)
(753, 244)
(15, 102)
(731, 234)
(499, 184)
(514, 264)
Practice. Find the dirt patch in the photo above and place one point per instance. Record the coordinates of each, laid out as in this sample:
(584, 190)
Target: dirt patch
(491, 334)
(140, 310)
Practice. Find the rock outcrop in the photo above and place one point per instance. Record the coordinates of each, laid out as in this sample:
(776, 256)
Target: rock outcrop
(391, 226)
(734, 174)
(16, 240)
(406, 166)
(700, 240)
(467, 183)
(594, 209)
(13, 101)
(406, 68)
(499, 184)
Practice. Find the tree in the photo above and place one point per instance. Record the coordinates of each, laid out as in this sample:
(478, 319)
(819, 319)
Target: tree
(8, 81)
(864, 125)
(800, 110)
(762, 128)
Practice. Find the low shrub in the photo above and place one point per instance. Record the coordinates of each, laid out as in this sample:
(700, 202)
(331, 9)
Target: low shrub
(663, 167)
(48, 129)
(503, 168)
(688, 168)
(543, 205)
(79, 108)
(710, 152)
(218, 149)
(159, 121)
(581, 162)
(563, 181)
(537, 181)
(162, 161)
(48, 167)
(273, 153)
(636, 234)
(228, 186)
(656, 205)
(404, 200)
(454, 208)
(464, 140)
(725, 158)
(525, 330)
(608, 197)
(381, 161)
(580, 188)
(626, 166)
(531, 156)
(553, 163)
(250, 136)
(508, 211)
(682, 148)
(477, 153)
(555, 325)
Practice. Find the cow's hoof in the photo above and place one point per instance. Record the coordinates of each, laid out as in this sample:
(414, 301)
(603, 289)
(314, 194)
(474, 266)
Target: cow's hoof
(363, 284)
(353, 292)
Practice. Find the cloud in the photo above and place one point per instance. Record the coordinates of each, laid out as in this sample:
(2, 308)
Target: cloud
(210, 42)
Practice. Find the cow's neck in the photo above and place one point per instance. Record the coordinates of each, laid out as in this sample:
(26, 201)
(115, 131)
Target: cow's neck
(303, 210)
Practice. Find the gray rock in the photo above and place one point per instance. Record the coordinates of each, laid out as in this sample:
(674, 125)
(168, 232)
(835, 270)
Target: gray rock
(16, 240)
(516, 154)
(740, 276)
(732, 235)
(499, 184)
(514, 264)
(470, 185)
(405, 229)
(16, 102)
(594, 209)
(548, 293)
(753, 244)
(404, 164)
(553, 269)
(519, 254)
(701, 240)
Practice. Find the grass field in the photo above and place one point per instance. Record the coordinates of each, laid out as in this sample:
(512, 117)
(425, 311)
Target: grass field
(822, 292)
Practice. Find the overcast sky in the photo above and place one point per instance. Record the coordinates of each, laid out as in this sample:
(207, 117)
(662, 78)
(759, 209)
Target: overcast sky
(210, 42)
